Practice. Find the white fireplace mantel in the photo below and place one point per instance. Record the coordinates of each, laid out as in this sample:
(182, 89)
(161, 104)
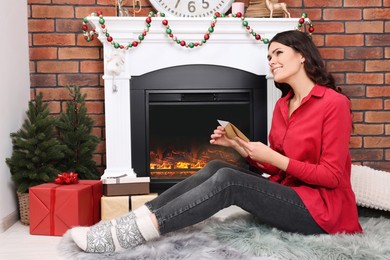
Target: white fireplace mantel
(229, 45)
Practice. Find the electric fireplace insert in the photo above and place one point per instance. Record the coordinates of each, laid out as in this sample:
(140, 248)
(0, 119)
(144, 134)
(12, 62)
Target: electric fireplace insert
(175, 110)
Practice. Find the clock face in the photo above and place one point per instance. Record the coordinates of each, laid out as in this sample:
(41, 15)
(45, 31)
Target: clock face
(191, 8)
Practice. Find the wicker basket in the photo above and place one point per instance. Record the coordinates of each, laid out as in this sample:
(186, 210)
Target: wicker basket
(24, 208)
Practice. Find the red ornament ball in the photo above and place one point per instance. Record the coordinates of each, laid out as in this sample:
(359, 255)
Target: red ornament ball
(99, 13)
(182, 43)
(85, 27)
(134, 43)
(206, 36)
(148, 20)
(109, 39)
(165, 22)
(239, 14)
(258, 37)
(301, 20)
(311, 29)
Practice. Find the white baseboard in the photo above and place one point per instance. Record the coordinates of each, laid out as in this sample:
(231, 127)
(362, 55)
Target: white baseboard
(8, 221)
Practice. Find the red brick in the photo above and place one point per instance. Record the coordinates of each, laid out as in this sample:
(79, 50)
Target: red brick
(368, 129)
(57, 94)
(93, 93)
(357, 117)
(387, 53)
(362, 3)
(364, 53)
(386, 2)
(38, 1)
(387, 26)
(99, 121)
(54, 39)
(377, 117)
(32, 68)
(387, 104)
(364, 78)
(365, 154)
(342, 14)
(364, 27)
(314, 14)
(376, 14)
(40, 25)
(378, 91)
(377, 65)
(57, 66)
(55, 107)
(75, 2)
(387, 155)
(78, 53)
(95, 107)
(43, 80)
(329, 3)
(367, 104)
(293, 3)
(353, 90)
(82, 12)
(378, 40)
(344, 40)
(387, 78)
(350, 66)
(44, 53)
(50, 11)
(332, 53)
(339, 78)
(318, 40)
(387, 129)
(68, 25)
(78, 79)
(97, 131)
(376, 142)
(329, 27)
(91, 66)
(356, 142)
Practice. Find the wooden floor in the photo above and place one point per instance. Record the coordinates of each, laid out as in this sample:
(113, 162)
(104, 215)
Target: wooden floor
(16, 243)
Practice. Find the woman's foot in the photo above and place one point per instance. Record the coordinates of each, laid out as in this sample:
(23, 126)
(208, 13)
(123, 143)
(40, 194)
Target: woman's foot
(109, 236)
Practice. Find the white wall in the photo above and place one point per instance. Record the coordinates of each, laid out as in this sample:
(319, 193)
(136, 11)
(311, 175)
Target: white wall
(14, 96)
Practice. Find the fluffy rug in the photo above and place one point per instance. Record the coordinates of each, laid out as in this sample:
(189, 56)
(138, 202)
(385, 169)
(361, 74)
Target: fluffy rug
(242, 237)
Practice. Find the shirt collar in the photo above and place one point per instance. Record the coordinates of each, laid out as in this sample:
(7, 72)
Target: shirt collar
(317, 91)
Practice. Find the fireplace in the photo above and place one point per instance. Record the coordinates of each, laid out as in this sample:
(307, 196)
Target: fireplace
(230, 46)
(174, 111)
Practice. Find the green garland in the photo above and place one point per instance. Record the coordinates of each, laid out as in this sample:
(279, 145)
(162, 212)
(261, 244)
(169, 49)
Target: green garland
(89, 35)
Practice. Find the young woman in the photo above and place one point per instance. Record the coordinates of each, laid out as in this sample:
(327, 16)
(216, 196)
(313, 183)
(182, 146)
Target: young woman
(309, 190)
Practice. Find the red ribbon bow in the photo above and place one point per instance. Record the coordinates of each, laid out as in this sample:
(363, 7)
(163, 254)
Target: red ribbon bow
(67, 178)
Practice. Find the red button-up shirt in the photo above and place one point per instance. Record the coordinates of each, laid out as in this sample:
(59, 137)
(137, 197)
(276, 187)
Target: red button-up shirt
(316, 139)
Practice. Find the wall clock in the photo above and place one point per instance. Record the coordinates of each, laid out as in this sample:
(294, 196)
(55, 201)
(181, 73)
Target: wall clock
(191, 8)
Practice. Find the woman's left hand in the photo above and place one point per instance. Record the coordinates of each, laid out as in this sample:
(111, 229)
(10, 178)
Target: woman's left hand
(261, 153)
(257, 151)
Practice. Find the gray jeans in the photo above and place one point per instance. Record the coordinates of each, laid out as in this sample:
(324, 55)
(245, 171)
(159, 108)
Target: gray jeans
(219, 185)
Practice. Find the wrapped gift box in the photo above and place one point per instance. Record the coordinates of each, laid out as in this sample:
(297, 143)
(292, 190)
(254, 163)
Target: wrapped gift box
(126, 186)
(56, 208)
(115, 206)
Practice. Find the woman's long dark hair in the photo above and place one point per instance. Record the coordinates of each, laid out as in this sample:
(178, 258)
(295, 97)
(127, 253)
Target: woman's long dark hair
(314, 64)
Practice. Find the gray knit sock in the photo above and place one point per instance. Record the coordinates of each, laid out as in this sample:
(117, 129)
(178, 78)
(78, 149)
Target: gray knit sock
(116, 235)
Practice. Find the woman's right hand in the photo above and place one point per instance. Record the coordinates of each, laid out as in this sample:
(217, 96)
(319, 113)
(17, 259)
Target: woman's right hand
(219, 137)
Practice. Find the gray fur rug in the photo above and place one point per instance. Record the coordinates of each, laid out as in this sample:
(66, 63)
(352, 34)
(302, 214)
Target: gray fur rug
(242, 237)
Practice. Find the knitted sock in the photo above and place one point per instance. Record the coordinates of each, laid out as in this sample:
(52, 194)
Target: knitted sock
(146, 228)
(116, 235)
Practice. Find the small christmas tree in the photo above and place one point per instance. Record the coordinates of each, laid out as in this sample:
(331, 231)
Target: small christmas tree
(36, 150)
(75, 128)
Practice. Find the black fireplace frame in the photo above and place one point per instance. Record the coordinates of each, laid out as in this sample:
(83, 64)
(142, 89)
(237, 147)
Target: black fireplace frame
(210, 81)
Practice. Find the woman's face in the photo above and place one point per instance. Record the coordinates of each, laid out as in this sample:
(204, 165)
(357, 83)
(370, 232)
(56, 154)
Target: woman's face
(285, 63)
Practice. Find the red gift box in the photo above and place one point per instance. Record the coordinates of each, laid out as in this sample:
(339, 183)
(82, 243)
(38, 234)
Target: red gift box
(56, 208)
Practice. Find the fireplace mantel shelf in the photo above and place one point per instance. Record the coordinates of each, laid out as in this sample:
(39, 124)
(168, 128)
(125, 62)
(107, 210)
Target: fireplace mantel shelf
(229, 45)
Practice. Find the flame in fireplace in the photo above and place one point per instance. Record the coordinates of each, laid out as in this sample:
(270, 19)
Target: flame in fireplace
(174, 163)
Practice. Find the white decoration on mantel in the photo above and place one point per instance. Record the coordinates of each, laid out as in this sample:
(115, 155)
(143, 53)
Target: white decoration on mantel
(115, 63)
(229, 45)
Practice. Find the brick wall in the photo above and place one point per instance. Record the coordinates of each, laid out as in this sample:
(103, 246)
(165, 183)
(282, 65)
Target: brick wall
(353, 36)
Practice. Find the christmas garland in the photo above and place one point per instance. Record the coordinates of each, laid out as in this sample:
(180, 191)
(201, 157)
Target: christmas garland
(89, 35)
